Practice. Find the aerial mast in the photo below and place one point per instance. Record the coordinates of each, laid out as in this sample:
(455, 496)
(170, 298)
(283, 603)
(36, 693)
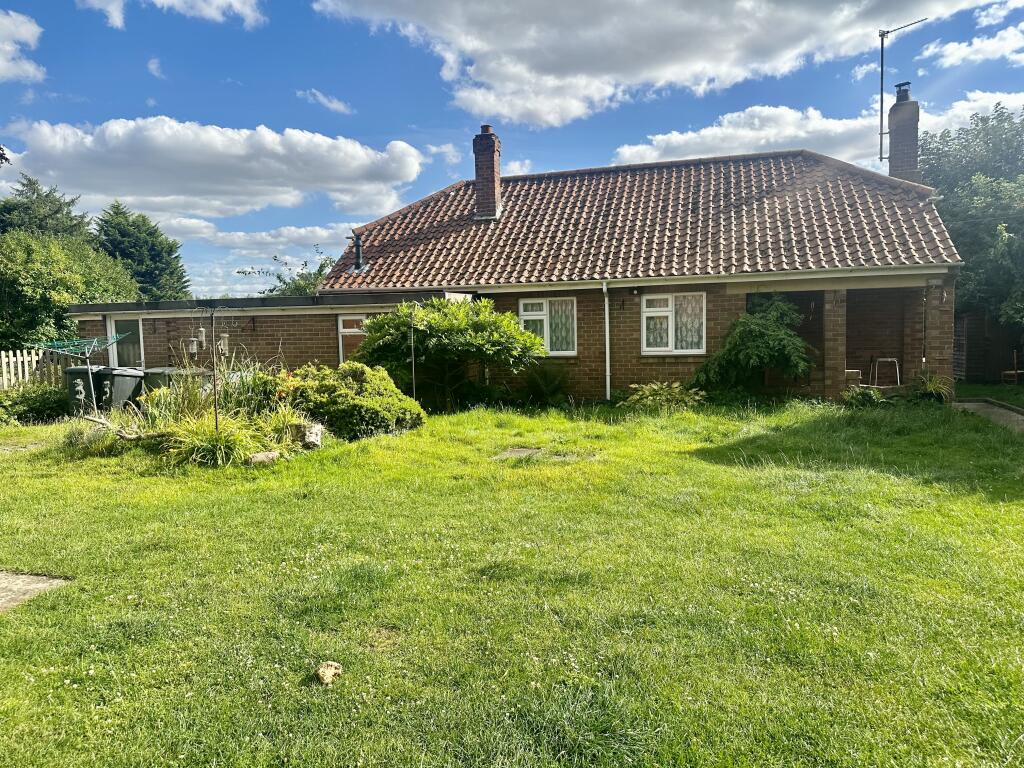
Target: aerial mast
(882, 35)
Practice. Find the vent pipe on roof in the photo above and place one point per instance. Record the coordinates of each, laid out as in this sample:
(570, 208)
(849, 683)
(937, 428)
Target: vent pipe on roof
(357, 251)
(904, 119)
(487, 186)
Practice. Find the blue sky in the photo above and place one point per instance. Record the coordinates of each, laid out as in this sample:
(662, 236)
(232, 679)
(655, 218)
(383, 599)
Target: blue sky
(250, 128)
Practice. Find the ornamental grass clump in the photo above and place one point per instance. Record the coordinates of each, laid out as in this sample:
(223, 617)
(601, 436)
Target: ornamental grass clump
(199, 440)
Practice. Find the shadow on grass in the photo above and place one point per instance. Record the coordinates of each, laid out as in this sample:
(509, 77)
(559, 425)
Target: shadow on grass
(930, 443)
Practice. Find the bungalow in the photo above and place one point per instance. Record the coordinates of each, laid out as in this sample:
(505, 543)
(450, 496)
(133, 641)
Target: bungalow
(635, 273)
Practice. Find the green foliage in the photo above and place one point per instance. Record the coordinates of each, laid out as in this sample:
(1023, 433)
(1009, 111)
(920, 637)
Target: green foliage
(37, 210)
(199, 440)
(353, 400)
(979, 173)
(990, 145)
(864, 397)
(40, 276)
(545, 386)
(763, 339)
(301, 280)
(662, 396)
(153, 258)
(931, 386)
(454, 342)
(33, 403)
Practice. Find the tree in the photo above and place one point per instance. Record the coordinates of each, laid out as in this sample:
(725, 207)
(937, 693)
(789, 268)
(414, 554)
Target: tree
(152, 258)
(41, 275)
(4, 159)
(978, 171)
(454, 342)
(293, 281)
(40, 210)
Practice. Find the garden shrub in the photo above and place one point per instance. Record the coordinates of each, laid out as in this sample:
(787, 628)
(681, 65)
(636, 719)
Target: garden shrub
(33, 403)
(662, 396)
(545, 386)
(352, 400)
(864, 397)
(455, 342)
(760, 340)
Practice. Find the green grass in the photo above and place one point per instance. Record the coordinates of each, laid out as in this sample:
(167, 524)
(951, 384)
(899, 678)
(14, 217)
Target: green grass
(1007, 393)
(803, 586)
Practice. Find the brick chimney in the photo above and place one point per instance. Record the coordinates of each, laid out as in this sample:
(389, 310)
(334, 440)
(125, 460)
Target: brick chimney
(904, 117)
(487, 152)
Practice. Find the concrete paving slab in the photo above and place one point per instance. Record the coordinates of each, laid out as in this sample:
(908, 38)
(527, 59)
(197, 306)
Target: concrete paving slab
(16, 588)
(1002, 416)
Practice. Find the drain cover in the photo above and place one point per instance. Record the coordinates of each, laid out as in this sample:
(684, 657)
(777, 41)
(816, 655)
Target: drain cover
(16, 588)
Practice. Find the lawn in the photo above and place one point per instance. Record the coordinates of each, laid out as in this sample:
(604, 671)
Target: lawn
(1006, 393)
(801, 586)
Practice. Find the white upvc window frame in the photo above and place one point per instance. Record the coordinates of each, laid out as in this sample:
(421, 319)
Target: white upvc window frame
(544, 315)
(670, 313)
(112, 351)
(343, 332)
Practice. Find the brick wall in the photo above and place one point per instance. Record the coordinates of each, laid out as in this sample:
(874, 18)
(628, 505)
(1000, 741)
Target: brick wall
(288, 340)
(938, 342)
(875, 328)
(834, 342)
(586, 371)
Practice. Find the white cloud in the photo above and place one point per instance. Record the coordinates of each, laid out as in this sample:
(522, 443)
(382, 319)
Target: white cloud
(1006, 44)
(153, 65)
(18, 33)
(166, 167)
(863, 70)
(280, 241)
(216, 273)
(150, 102)
(313, 96)
(212, 10)
(516, 167)
(448, 152)
(547, 63)
(997, 13)
(766, 128)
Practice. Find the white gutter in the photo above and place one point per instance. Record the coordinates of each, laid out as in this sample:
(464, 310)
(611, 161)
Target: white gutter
(607, 345)
(741, 277)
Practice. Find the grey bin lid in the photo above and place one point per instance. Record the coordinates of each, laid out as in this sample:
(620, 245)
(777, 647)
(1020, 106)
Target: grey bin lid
(126, 372)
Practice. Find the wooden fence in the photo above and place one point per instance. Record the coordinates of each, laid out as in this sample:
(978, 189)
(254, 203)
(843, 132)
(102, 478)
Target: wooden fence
(22, 365)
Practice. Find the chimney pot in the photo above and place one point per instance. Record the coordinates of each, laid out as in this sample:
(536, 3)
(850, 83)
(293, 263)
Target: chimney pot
(904, 120)
(487, 185)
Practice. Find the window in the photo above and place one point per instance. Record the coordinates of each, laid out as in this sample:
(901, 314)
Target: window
(554, 320)
(128, 352)
(350, 334)
(673, 324)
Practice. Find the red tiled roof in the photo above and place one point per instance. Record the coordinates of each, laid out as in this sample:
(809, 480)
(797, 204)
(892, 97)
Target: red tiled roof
(766, 213)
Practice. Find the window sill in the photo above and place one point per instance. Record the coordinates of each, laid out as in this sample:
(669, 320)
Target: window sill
(671, 355)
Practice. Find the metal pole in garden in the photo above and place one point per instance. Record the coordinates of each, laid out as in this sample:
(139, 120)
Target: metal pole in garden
(412, 347)
(216, 407)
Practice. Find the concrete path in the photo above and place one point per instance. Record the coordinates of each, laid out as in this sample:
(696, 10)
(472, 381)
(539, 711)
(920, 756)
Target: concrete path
(16, 588)
(1002, 416)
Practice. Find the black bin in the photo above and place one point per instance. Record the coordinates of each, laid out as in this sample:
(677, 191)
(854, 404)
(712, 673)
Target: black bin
(80, 382)
(116, 387)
